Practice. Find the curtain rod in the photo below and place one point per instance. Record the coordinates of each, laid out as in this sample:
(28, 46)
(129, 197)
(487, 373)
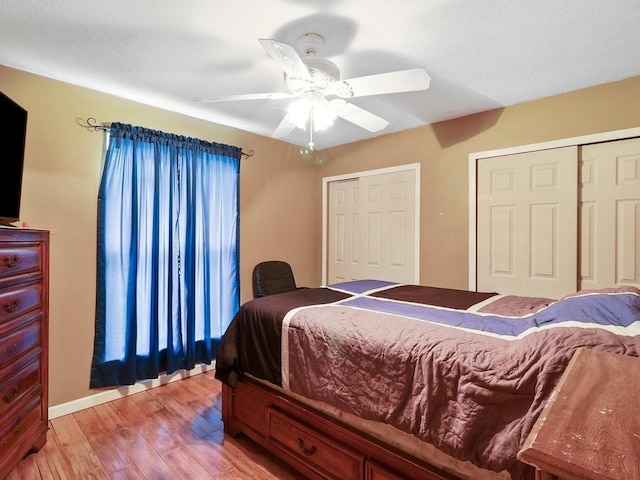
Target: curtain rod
(91, 125)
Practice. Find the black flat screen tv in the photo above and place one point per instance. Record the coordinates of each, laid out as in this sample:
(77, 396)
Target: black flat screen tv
(13, 133)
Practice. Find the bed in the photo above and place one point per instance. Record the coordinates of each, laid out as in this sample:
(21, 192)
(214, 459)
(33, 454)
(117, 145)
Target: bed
(377, 380)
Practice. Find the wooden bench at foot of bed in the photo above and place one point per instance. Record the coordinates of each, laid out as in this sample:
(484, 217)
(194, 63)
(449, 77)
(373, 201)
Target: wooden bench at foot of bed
(589, 427)
(313, 443)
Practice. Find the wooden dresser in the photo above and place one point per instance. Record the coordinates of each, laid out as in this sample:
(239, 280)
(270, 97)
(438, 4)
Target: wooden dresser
(24, 283)
(590, 427)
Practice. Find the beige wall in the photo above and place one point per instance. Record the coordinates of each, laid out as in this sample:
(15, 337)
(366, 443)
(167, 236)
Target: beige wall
(280, 204)
(60, 186)
(443, 150)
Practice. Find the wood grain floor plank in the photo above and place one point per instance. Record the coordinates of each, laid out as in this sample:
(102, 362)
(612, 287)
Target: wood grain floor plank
(180, 400)
(75, 444)
(170, 432)
(202, 450)
(96, 474)
(159, 439)
(142, 454)
(50, 463)
(27, 468)
(126, 475)
(185, 464)
(101, 437)
(138, 407)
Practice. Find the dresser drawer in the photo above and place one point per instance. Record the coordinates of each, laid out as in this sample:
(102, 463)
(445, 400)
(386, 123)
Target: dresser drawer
(18, 380)
(21, 425)
(329, 458)
(19, 259)
(19, 341)
(18, 300)
(373, 471)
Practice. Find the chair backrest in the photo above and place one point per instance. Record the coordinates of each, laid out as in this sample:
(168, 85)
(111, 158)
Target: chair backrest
(271, 277)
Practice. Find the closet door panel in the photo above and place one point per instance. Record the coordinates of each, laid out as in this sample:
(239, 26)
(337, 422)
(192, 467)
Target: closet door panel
(373, 240)
(610, 214)
(387, 206)
(501, 251)
(344, 226)
(544, 238)
(627, 248)
(527, 223)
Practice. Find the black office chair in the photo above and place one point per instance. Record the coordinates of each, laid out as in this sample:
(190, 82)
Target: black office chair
(271, 277)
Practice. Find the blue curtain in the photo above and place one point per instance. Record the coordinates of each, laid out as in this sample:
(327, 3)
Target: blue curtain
(167, 264)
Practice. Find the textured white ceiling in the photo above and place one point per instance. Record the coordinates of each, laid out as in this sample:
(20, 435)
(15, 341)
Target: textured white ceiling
(481, 55)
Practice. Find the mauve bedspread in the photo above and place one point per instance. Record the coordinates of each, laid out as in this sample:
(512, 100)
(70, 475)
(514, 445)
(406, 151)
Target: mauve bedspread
(471, 384)
(469, 375)
(252, 343)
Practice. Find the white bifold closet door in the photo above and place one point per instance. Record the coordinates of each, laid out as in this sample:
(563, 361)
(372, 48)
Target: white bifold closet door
(372, 228)
(610, 214)
(527, 223)
(343, 246)
(542, 231)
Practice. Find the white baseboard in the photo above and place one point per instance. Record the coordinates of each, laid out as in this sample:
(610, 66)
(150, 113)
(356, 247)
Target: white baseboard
(109, 395)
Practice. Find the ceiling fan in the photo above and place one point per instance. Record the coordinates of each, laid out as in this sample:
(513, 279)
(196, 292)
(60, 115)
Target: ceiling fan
(320, 93)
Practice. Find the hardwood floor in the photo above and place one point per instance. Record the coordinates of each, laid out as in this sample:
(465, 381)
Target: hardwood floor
(169, 432)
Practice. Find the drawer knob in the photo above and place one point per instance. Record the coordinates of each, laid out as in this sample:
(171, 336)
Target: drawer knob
(10, 261)
(15, 432)
(8, 397)
(303, 449)
(10, 307)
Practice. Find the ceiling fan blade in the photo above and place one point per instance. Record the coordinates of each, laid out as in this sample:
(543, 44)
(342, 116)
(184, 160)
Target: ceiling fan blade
(361, 117)
(287, 57)
(285, 127)
(248, 96)
(392, 82)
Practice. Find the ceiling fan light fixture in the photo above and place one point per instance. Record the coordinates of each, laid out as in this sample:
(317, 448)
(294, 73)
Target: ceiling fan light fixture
(299, 112)
(321, 114)
(323, 117)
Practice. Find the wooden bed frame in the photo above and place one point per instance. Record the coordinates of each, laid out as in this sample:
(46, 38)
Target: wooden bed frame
(318, 446)
(322, 447)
